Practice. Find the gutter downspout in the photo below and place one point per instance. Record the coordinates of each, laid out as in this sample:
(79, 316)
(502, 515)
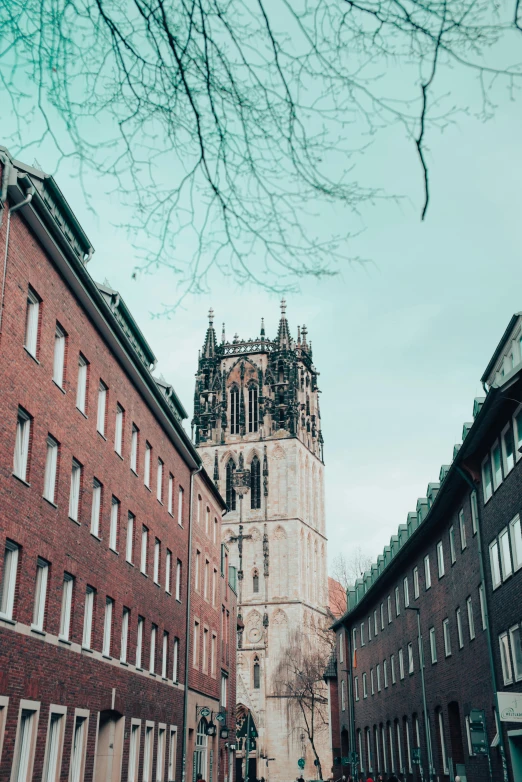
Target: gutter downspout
(27, 200)
(488, 628)
(184, 741)
(351, 716)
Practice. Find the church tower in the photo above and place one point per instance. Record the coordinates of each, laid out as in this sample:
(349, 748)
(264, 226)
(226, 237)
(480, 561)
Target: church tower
(258, 428)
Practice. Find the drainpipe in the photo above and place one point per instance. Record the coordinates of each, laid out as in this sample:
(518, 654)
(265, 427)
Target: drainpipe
(488, 629)
(27, 200)
(351, 713)
(184, 741)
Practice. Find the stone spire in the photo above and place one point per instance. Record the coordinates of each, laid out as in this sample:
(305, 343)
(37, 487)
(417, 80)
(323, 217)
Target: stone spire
(283, 334)
(262, 328)
(209, 348)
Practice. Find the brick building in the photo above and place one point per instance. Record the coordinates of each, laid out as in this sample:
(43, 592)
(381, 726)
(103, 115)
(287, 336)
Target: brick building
(97, 493)
(455, 567)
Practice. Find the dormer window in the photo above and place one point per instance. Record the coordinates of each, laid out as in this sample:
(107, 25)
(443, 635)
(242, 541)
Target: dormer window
(253, 409)
(234, 410)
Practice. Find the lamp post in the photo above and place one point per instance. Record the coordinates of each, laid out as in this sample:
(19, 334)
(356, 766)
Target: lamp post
(424, 705)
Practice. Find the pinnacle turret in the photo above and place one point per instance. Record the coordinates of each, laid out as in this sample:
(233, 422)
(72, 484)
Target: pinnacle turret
(283, 334)
(209, 348)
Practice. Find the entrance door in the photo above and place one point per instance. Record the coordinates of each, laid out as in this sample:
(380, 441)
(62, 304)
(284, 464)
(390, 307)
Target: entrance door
(200, 752)
(455, 730)
(109, 751)
(515, 747)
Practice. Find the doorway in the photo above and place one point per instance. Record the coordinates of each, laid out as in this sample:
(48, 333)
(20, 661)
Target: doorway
(455, 731)
(109, 751)
(515, 748)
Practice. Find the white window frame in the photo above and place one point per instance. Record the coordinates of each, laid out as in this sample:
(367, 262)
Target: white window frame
(180, 506)
(356, 687)
(54, 743)
(427, 573)
(224, 690)
(408, 745)
(152, 649)
(517, 436)
(505, 456)
(473, 502)
(51, 469)
(178, 580)
(175, 661)
(471, 618)
(21, 451)
(399, 745)
(362, 633)
(164, 654)
(135, 433)
(397, 602)
(392, 754)
(74, 495)
(385, 673)
(118, 429)
(411, 667)
(487, 479)
(505, 554)
(66, 608)
(482, 601)
(134, 750)
(406, 592)
(447, 637)
(494, 561)
(144, 549)
(497, 475)
(460, 634)
(173, 742)
(124, 639)
(343, 695)
(107, 627)
(462, 530)
(170, 493)
(453, 555)
(369, 749)
(157, 555)
(81, 386)
(468, 736)
(392, 666)
(129, 544)
(102, 408)
(139, 642)
(515, 534)
(375, 630)
(159, 481)
(88, 611)
(378, 672)
(440, 558)
(160, 752)
(341, 649)
(25, 742)
(505, 658)
(146, 464)
(32, 322)
(516, 651)
(114, 524)
(79, 745)
(382, 616)
(96, 507)
(168, 571)
(388, 602)
(365, 685)
(401, 664)
(40, 594)
(443, 743)
(433, 645)
(59, 356)
(147, 751)
(416, 588)
(9, 578)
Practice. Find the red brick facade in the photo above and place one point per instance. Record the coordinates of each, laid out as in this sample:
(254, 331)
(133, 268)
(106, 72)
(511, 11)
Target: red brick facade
(130, 559)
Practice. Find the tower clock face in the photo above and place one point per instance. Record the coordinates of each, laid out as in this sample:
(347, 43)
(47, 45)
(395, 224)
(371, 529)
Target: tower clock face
(254, 635)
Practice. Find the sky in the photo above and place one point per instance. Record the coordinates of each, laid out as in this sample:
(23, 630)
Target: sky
(400, 342)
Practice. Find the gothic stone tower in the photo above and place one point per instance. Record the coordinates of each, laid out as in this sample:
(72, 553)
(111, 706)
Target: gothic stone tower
(256, 408)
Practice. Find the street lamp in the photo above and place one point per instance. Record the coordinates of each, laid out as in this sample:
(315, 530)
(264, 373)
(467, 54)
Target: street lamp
(425, 707)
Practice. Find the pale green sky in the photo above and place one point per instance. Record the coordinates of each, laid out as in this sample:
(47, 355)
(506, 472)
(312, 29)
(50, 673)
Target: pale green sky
(400, 344)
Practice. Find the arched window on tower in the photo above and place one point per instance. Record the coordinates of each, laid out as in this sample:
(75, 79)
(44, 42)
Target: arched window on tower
(255, 484)
(255, 581)
(257, 678)
(253, 409)
(230, 492)
(234, 410)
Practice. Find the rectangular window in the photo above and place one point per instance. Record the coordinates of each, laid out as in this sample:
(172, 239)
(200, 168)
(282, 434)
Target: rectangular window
(102, 408)
(144, 546)
(168, 571)
(468, 736)
(487, 479)
(408, 744)
(496, 463)
(410, 658)
(362, 634)
(517, 431)
(392, 666)
(341, 649)
(205, 650)
(32, 317)
(23, 760)
(147, 753)
(440, 558)
(516, 651)
(474, 512)
(139, 641)
(124, 635)
(427, 572)
(399, 745)
(447, 638)
(459, 628)
(369, 749)
(356, 687)
(433, 645)
(96, 507)
(515, 532)
(59, 355)
(378, 669)
(159, 482)
(371, 682)
(134, 751)
(443, 744)
(173, 738)
(196, 571)
(180, 506)
(343, 695)
(385, 673)
(115, 517)
(87, 617)
(365, 686)
(415, 582)
(160, 757)
(505, 554)
(53, 750)
(482, 606)
(21, 453)
(170, 493)
(452, 544)
(8, 584)
(206, 579)
(164, 654)
(462, 528)
(382, 616)
(134, 449)
(81, 388)
(375, 622)
(66, 611)
(471, 621)
(397, 602)
(224, 689)
(406, 592)
(494, 558)
(175, 664)
(195, 645)
(401, 664)
(51, 469)
(178, 580)
(107, 627)
(118, 430)
(388, 602)
(146, 470)
(505, 658)
(40, 593)
(74, 496)
(79, 746)
(152, 650)
(213, 654)
(129, 547)
(157, 552)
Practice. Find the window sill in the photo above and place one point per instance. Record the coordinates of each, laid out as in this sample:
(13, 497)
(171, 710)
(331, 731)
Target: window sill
(148, 488)
(61, 388)
(139, 669)
(171, 514)
(164, 679)
(178, 600)
(151, 673)
(125, 663)
(114, 551)
(7, 619)
(82, 413)
(87, 649)
(22, 480)
(106, 657)
(96, 537)
(65, 641)
(119, 455)
(38, 631)
(143, 574)
(101, 435)
(50, 502)
(75, 521)
(168, 593)
(130, 563)
(31, 355)
(133, 471)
